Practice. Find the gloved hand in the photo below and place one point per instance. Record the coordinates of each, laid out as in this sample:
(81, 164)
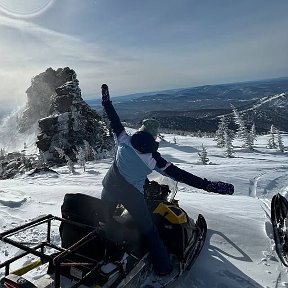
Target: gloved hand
(105, 93)
(219, 187)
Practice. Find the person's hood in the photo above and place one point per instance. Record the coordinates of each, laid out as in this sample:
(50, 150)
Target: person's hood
(144, 142)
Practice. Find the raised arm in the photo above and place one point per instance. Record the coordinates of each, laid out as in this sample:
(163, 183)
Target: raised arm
(113, 117)
(183, 176)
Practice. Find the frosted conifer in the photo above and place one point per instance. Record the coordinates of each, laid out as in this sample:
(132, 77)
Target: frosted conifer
(68, 160)
(203, 156)
(220, 133)
(229, 152)
(80, 155)
(242, 131)
(253, 135)
(70, 164)
(271, 141)
(280, 143)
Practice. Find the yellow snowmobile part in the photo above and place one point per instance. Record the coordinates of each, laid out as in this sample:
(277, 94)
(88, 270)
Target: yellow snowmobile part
(21, 271)
(172, 213)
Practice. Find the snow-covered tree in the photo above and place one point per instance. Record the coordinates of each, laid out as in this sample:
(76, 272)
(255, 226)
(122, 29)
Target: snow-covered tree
(95, 154)
(229, 152)
(88, 150)
(271, 141)
(253, 134)
(80, 155)
(174, 140)
(220, 132)
(280, 144)
(203, 155)
(68, 160)
(242, 131)
(70, 164)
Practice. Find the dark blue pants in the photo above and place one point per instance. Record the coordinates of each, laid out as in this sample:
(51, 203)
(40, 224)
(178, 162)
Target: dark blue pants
(118, 190)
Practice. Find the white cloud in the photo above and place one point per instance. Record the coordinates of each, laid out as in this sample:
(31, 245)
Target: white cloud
(28, 49)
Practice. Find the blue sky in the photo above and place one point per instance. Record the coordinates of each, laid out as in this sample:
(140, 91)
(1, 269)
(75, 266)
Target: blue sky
(138, 46)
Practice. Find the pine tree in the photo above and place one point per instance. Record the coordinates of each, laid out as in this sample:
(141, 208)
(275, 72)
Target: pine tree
(88, 150)
(249, 142)
(242, 131)
(68, 160)
(203, 156)
(220, 132)
(80, 155)
(271, 141)
(280, 144)
(229, 152)
(95, 154)
(70, 164)
(253, 134)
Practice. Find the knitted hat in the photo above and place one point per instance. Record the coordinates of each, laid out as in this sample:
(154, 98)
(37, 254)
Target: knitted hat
(151, 126)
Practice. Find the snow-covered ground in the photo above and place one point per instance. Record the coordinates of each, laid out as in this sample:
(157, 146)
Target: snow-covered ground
(239, 249)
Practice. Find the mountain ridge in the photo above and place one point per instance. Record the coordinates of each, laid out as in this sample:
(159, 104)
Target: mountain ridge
(199, 108)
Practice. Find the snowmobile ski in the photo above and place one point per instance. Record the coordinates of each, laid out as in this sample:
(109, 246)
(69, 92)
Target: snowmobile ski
(180, 267)
(279, 219)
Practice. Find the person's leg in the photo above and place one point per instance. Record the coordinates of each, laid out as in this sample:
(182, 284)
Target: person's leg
(110, 202)
(158, 252)
(118, 190)
(137, 207)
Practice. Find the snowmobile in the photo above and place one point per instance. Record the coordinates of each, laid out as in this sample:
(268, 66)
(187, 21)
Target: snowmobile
(96, 251)
(279, 219)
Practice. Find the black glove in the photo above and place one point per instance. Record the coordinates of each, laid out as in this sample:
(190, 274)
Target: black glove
(219, 187)
(105, 93)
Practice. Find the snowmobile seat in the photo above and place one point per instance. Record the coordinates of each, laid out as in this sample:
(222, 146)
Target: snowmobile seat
(88, 210)
(85, 209)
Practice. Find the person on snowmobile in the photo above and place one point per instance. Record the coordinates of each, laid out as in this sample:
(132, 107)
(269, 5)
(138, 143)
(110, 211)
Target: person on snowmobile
(136, 157)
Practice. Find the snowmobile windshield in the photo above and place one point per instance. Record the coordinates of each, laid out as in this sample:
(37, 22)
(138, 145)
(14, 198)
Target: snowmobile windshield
(163, 180)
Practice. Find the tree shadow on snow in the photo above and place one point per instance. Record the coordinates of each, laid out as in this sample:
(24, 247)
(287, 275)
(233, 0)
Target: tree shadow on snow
(186, 149)
(173, 159)
(213, 270)
(94, 172)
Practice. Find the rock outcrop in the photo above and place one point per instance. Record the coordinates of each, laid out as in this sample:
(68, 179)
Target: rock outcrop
(39, 95)
(71, 123)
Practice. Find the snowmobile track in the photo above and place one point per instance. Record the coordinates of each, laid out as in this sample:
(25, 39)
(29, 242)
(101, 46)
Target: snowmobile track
(279, 219)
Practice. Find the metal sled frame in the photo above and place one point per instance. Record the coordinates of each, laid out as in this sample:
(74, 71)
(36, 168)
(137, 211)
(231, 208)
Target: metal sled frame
(39, 250)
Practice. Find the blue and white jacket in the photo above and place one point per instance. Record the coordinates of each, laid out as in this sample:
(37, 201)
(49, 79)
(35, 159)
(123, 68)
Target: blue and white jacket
(137, 156)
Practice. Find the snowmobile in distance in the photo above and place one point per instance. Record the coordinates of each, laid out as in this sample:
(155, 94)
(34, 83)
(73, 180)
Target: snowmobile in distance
(279, 219)
(97, 251)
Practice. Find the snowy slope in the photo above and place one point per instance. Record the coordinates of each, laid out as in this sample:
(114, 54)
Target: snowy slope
(239, 250)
